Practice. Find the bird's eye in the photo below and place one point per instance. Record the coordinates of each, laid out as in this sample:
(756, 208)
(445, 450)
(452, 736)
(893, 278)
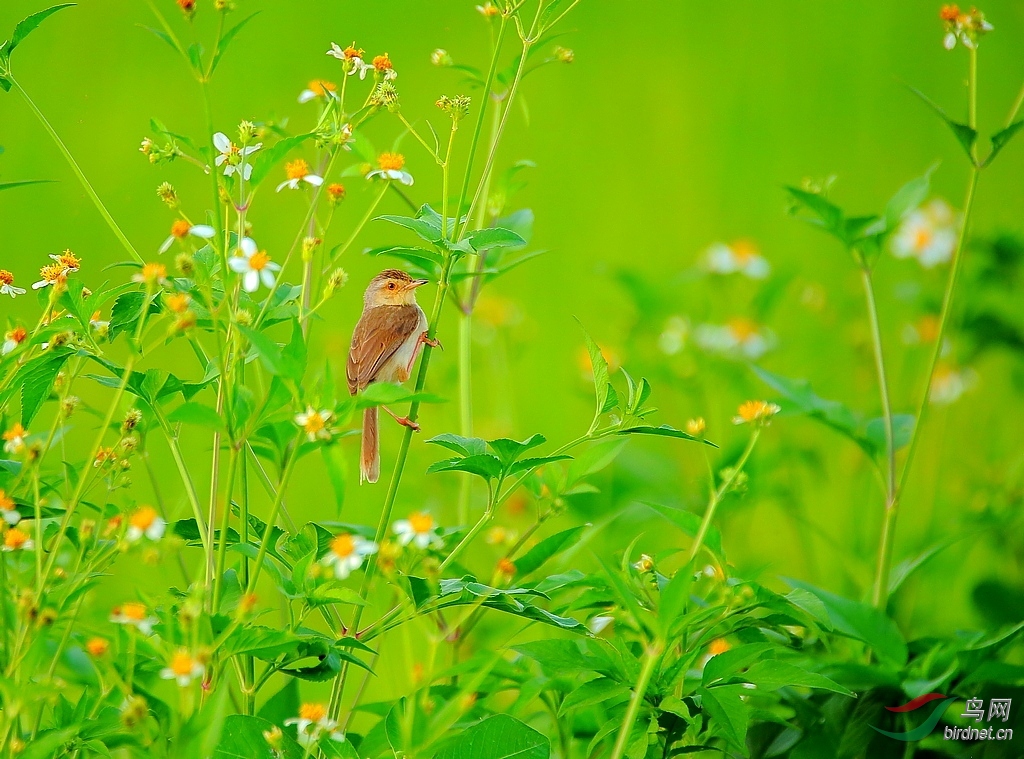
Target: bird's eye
(391, 285)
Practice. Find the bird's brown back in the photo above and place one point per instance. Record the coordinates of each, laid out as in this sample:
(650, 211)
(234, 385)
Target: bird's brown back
(380, 332)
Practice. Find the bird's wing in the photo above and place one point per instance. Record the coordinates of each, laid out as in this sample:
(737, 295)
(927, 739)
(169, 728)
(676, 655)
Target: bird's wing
(380, 332)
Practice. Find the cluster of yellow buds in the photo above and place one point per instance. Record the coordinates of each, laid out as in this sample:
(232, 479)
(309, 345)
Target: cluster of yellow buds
(158, 154)
(457, 107)
(385, 95)
(168, 195)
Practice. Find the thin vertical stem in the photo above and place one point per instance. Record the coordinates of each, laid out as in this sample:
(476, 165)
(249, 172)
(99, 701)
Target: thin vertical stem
(717, 495)
(652, 655)
(121, 237)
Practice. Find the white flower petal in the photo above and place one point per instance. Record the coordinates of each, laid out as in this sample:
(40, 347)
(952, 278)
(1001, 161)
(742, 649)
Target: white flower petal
(221, 142)
(249, 247)
(202, 230)
(314, 180)
(251, 281)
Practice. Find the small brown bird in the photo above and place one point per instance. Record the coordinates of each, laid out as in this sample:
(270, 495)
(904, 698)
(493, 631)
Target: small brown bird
(387, 339)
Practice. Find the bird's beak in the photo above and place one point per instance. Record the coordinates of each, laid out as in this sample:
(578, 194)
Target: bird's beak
(419, 282)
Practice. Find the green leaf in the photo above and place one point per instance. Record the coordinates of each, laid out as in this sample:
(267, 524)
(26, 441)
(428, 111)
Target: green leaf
(728, 663)
(337, 473)
(1001, 138)
(603, 390)
(482, 465)
(663, 430)
(226, 40)
(30, 24)
(197, 414)
(547, 548)
(268, 351)
(603, 690)
(242, 738)
(125, 313)
(906, 199)
(201, 735)
(689, 523)
(509, 450)
(494, 237)
(822, 213)
(899, 574)
(772, 674)
(674, 597)
(497, 737)
(467, 446)
(727, 711)
(268, 158)
(36, 379)
(417, 256)
(426, 229)
(386, 393)
(863, 622)
(22, 183)
(965, 135)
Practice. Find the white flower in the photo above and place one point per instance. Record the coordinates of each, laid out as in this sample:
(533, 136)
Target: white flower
(673, 337)
(738, 338)
(9, 509)
(313, 722)
(181, 229)
(254, 265)
(315, 423)
(145, 521)
(949, 383)
(134, 614)
(420, 529)
(16, 539)
(183, 668)
(347, 553)
(232, 157)
(741, 257)
(351, 58)
(391, 165)
(928, 234)
(14, 438)
(299, 171)
(12, 339)
(7, 285)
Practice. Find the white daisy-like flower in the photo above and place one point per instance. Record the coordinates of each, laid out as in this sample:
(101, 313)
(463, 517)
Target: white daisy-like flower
(181, 229)
(14, 438)
(420, 529)
(12, 339)
(233, 158)
(299, 171)
(928, 234)
(949, 383)
(7, 285)
(254, 265)
(145, 521)
(315, 423)
(351, 59)
(318, 88)
(738, 338)
(741, 257)
(9, 509)
(673, 337)
(391, 167)
(383, 67)
(135, 615)
(183, 668)
(966, 28)
(347, 553)
(17, 540)
(312, 723)
(67, 260)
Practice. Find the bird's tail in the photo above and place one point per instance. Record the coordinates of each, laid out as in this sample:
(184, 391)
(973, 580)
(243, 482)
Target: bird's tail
(369, 461)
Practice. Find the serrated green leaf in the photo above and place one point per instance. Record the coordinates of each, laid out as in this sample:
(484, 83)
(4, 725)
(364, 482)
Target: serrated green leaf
(964, 134)
(29, 24)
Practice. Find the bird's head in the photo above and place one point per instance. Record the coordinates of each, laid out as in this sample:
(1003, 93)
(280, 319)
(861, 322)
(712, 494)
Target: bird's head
(392, 287)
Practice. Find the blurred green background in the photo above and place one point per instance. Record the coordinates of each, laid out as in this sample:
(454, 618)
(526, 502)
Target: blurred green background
(676, 126)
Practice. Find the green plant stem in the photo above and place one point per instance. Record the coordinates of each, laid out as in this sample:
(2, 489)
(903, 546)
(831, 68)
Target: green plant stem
(465, 401)
(652, 655)
(222, 548)
(121, 237)
(272, 517)
(717, 495)
(1017, 103)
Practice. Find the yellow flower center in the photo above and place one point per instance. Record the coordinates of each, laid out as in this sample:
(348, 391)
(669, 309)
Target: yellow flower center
(742, 329)
(178, 303)
(382, 63)
(321, 87)
(297, 169)
(421, 522)
(133, 611)
(182, 663)
(97, 647)
(353, 52)
(6, 278)
(259, 261)
(718, 646)
(52, 272)
(154, 272)
(15, 432)
(312, 712)
(744, 251)
(343, 546)
(314, 423)
(180, 229)
(15, 539)
(144, 518)
(69, 261)
(18, 334)
(922, 238)
(391, 161)
(752, 410)
(6, 502)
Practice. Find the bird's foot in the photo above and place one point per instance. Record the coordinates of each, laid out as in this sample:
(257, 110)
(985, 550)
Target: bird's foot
(407, 422)
(432, 342)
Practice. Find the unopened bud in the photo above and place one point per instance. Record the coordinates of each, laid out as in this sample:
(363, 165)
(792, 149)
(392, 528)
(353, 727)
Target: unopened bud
(441, 57)
(168, 194)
